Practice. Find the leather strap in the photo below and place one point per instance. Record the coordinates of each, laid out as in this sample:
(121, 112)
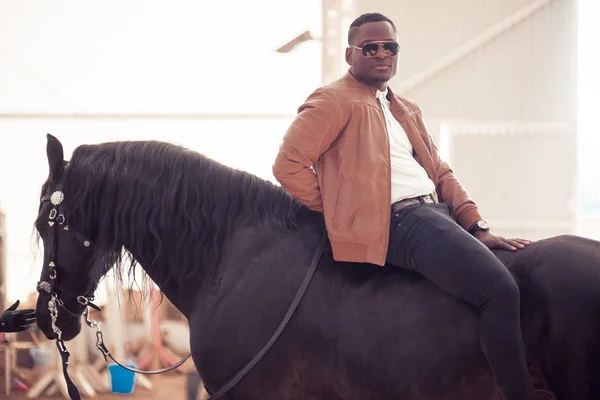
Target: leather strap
(282, 325)
(64, 355)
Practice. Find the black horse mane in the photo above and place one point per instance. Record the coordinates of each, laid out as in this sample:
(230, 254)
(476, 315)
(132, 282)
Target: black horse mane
(173, 203)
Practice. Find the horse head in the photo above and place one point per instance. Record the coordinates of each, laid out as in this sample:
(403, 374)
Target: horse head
(66, 284)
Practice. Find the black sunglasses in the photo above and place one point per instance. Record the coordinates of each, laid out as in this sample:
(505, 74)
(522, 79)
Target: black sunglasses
(370, 49)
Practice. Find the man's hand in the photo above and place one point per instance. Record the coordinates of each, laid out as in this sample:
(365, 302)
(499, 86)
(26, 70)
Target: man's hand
(13, 320)
(492, 241)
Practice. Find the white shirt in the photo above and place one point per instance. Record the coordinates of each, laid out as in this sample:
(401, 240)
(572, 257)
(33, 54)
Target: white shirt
(409, 178)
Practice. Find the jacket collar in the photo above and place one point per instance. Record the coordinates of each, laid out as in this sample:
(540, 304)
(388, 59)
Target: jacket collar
(351, 78)
(397, 103)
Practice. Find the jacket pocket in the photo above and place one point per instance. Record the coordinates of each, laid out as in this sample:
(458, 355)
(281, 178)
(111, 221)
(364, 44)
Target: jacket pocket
(339, 218)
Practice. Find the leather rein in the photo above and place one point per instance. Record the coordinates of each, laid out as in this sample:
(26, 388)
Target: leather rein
(57, 293)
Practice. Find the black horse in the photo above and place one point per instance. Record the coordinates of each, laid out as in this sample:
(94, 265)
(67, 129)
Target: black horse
(230, 251)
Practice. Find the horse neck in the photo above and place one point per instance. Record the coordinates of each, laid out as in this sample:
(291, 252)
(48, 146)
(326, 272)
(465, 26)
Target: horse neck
(171, 288)
(184, 294)
(171, 234)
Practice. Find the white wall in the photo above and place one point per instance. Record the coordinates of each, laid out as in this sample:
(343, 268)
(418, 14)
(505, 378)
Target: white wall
(173, 62)
(153, 56)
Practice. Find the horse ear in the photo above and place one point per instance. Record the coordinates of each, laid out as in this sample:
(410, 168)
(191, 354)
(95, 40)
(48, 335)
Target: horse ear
(54, 151)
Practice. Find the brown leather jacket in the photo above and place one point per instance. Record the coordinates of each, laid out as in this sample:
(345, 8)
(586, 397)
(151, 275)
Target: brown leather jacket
(340, 133)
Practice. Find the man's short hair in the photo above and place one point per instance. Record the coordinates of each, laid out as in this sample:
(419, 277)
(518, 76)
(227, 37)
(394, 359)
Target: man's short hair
(364, 19)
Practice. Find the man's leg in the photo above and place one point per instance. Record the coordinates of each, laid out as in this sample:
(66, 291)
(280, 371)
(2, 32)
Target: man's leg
(426, 239)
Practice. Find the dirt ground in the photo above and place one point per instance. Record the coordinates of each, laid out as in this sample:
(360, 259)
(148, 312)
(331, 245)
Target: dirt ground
(170, 386)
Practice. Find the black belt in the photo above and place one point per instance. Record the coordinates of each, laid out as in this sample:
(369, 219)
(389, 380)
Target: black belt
(428, 198)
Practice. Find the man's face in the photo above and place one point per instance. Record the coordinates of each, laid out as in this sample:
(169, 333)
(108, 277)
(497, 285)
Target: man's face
(378, 66)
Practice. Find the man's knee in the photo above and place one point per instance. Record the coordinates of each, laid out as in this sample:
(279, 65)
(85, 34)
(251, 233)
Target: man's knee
(503, 289)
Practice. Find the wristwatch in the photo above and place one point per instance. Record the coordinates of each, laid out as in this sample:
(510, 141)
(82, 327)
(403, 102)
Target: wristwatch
(480, 225)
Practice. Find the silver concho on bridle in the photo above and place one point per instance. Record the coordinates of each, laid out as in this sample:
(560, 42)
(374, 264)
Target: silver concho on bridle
(45, 286)
(56, 199)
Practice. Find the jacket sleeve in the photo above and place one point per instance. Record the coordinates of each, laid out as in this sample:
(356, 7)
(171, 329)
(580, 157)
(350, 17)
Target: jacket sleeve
(316, 126)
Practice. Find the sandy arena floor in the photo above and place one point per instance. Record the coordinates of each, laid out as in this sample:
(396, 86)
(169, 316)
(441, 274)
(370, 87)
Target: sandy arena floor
(166, 387)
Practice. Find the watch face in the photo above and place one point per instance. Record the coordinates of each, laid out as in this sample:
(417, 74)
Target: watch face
(483, 225)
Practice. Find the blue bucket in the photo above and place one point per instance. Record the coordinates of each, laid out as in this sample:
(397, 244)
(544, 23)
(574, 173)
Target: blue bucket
(121, 380)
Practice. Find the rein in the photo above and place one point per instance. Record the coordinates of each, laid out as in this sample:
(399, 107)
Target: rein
(54, 289)
(288, 315)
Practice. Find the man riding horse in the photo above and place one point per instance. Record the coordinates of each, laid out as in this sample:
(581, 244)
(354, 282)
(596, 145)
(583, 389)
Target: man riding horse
(361, 155)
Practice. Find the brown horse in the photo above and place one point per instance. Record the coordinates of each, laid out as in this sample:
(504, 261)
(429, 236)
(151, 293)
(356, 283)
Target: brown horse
(230, 250)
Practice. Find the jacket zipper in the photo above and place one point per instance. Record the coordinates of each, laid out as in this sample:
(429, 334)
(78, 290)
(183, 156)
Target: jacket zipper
(389, 181)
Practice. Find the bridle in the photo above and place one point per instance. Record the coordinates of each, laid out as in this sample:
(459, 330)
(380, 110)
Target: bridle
(57, 219)
(51, 286)
(57, 292)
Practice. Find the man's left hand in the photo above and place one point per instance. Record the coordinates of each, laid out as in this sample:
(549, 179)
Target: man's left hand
(492, 241)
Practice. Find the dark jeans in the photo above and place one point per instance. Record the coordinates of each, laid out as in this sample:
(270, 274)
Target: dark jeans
(426, 239)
